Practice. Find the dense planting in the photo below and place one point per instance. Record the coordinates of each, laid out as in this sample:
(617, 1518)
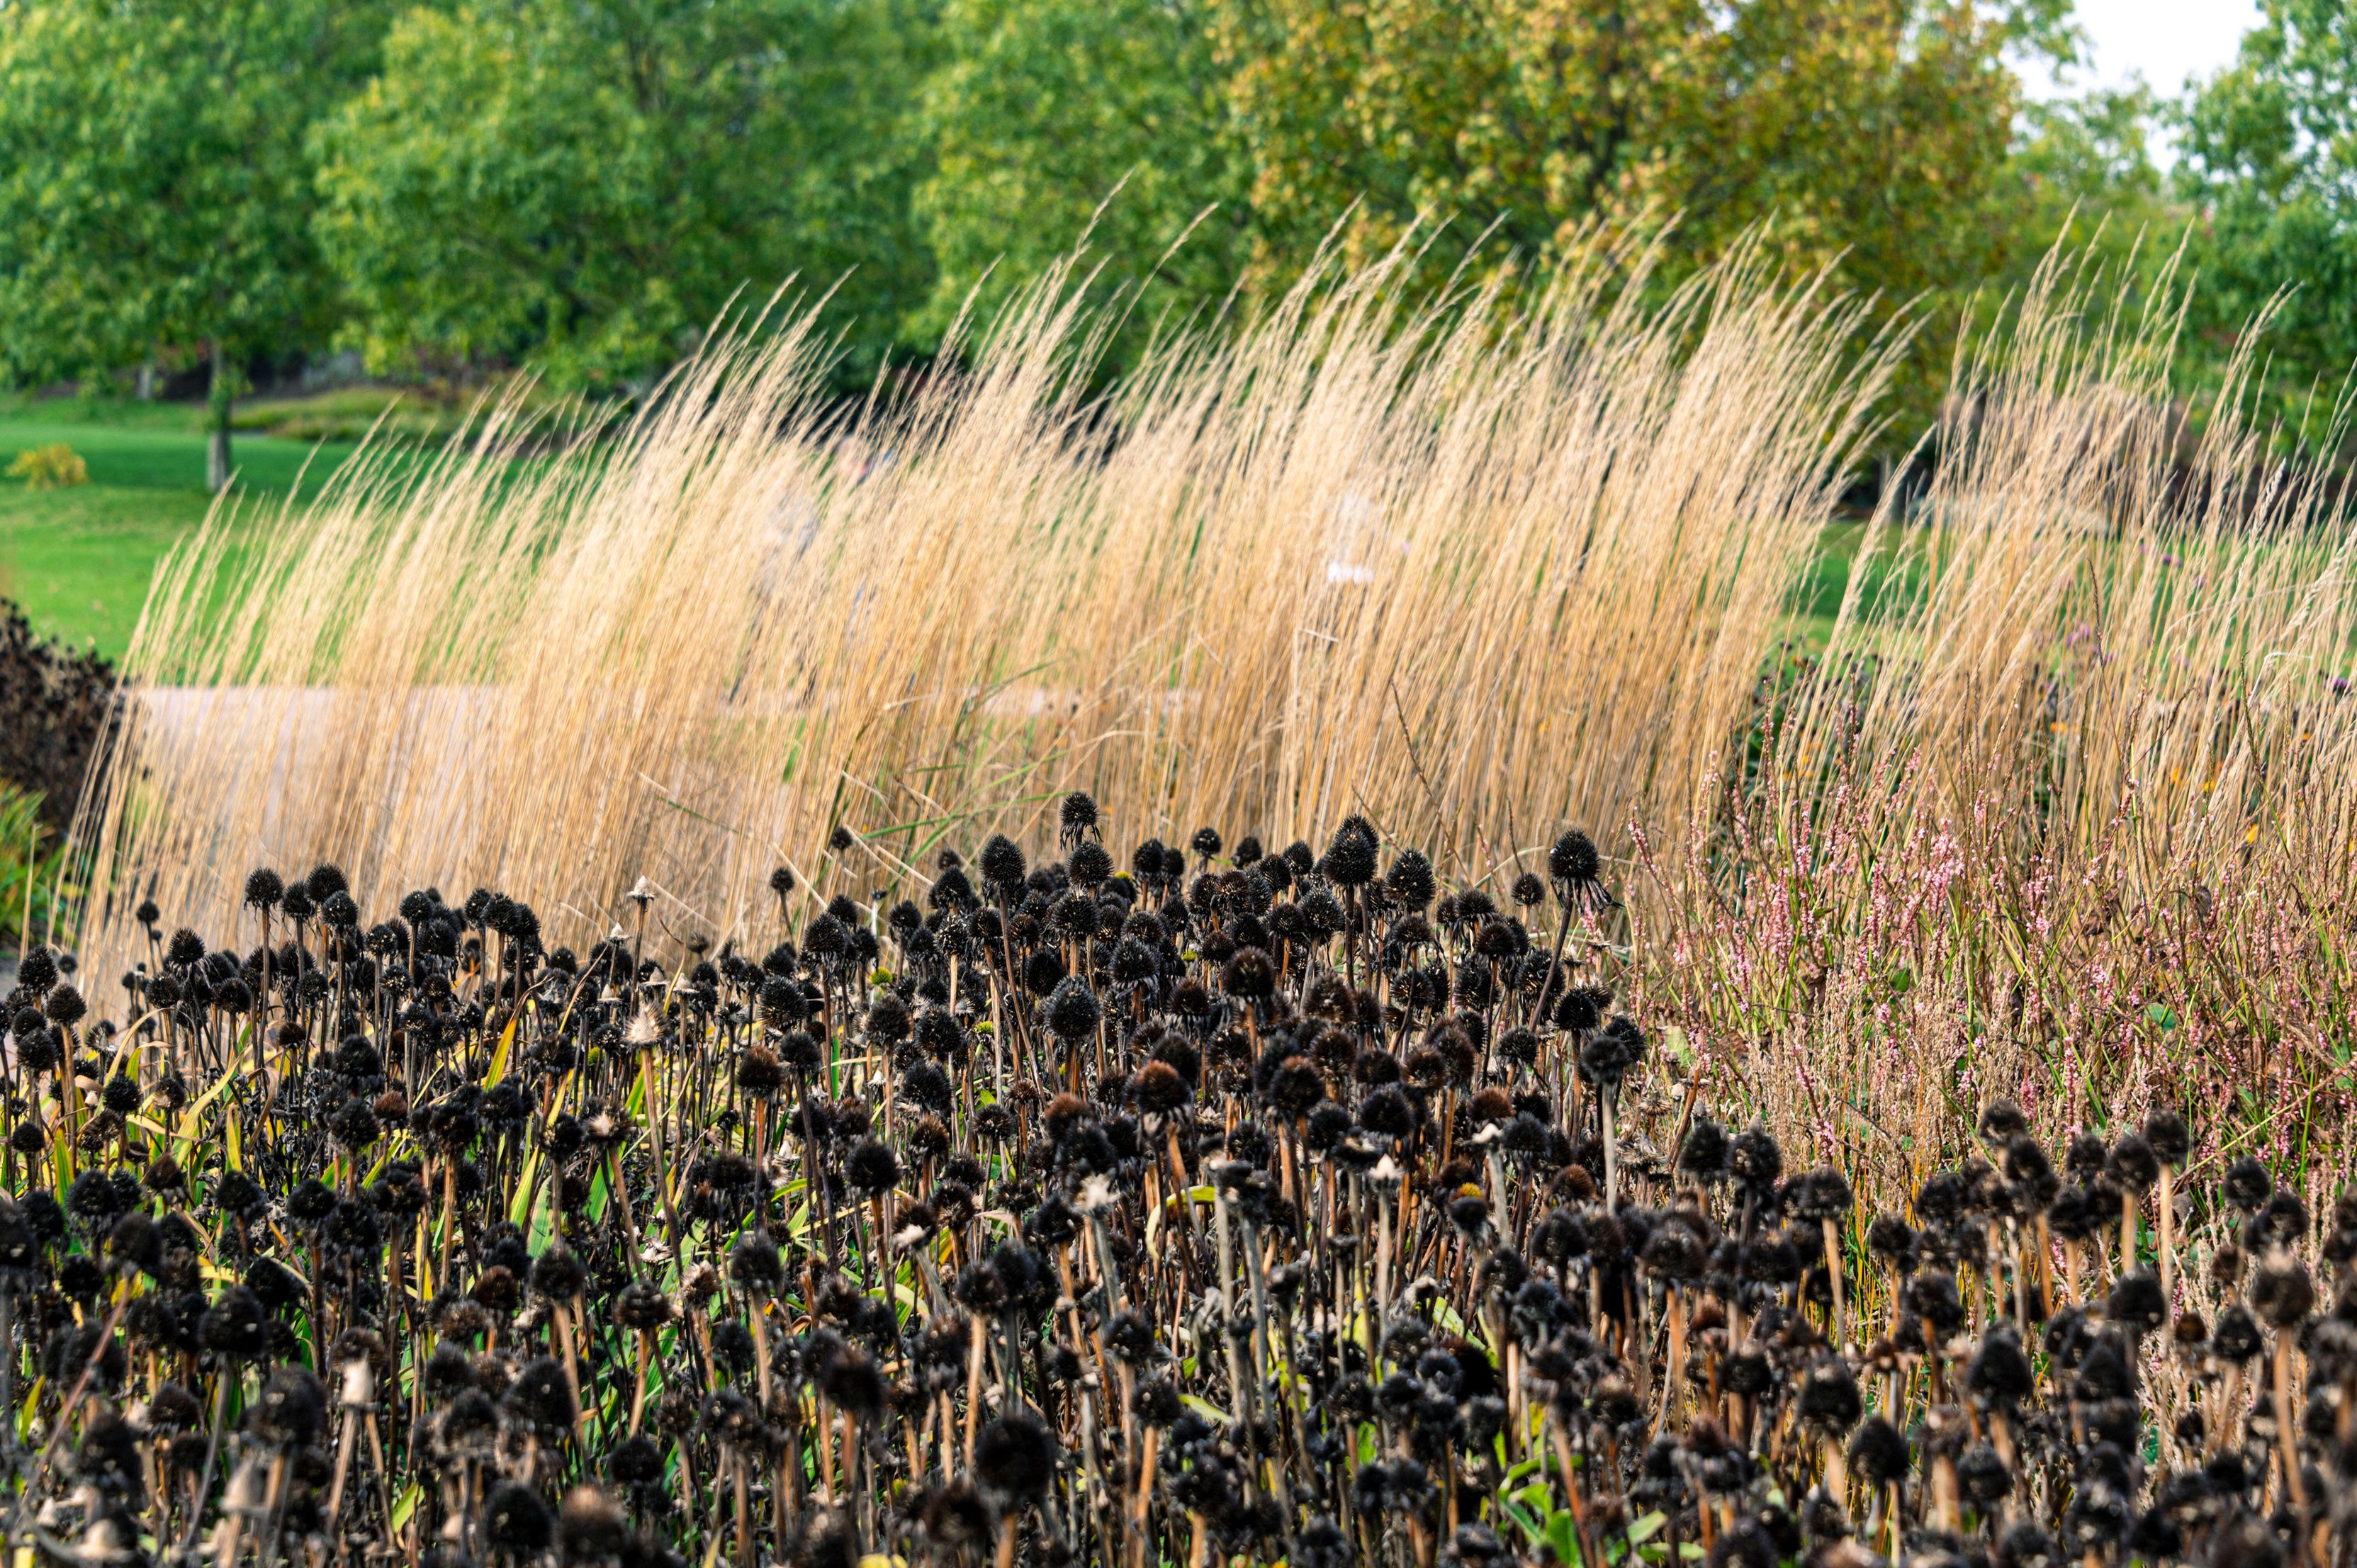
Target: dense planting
(55, 708)
(1231, 1203)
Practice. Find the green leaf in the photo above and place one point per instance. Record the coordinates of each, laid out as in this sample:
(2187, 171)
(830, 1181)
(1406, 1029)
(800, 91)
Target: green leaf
(1205, 1409)
(1645, 1528)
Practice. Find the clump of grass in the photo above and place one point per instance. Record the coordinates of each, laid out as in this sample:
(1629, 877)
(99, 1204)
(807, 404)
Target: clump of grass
(1304, 1205)
(2057, 814)
(1259, 582)
(53, 467)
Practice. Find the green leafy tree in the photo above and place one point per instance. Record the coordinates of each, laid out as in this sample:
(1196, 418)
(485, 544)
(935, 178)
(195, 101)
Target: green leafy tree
(1872, 132)
(1052, 120)
(2269, 160)
(156, 191)
(587, 182)
(2083, 179)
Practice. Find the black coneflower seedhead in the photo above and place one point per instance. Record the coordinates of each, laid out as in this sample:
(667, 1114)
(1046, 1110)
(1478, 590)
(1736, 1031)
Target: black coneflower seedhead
(1160, 1089)
(514, 1520)
(1146, 861)
(2001, 1122)
(1089, 866)
(1350, 858)
(238, 1194)
(2281, 1222)
(1674, 1252)
(1410, 881)
(38, 970)
(234, 1325)
(851, 1381)
(1999, 1376)
(1755, 1161)
(1828, 1398)
(37, 1049)
(558, 1274)
(1705, 1151)
(1573, 865)
(1205, 843)
(954, 1517)
(2029, 1172)
(1072, 1010)
(2135, 1302)
(290, 1410)
(1076, 819)
(754, 1263)
(2248, 1185)
(993, 1123)
(2131, 1164)
(2026, 1545)
(2070, 1215)
(1001, 862)
(541, 1398)
(2165, 1132)
(2281, 1293)
(1820, 1195)
(2085, 1157)
(1578, 1012)
(1387, 1112)
(1016, 1457)
(265, 888)
(1249, 975)
(184, 950)
(2245, 1541)
(873, 1168)
(65, 1006)
(1878, 1453)
(1981, 1471)
(590, 1528)
(1612, 1054)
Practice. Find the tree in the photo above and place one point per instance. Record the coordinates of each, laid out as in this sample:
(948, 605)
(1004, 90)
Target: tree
(155, 192)
(1055, 119)
(2269, 160)
(1869, 130)
(587, 182)
(2083, 177)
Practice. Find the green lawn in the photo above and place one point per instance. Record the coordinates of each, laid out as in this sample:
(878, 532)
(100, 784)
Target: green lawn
(78, 560)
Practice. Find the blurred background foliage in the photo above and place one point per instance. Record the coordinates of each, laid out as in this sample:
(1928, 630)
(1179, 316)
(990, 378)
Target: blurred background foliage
(257, 199)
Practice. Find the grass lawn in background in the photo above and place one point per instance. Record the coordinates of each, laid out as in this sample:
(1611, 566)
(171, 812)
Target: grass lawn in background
(80, 559)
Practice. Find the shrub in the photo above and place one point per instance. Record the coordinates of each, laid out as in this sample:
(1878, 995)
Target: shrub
(51, 468)
(55, 707)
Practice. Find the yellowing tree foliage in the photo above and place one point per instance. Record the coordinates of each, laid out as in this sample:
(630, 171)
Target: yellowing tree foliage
(1871, 132)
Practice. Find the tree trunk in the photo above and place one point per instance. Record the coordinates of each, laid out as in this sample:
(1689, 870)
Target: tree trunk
(217, 397)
